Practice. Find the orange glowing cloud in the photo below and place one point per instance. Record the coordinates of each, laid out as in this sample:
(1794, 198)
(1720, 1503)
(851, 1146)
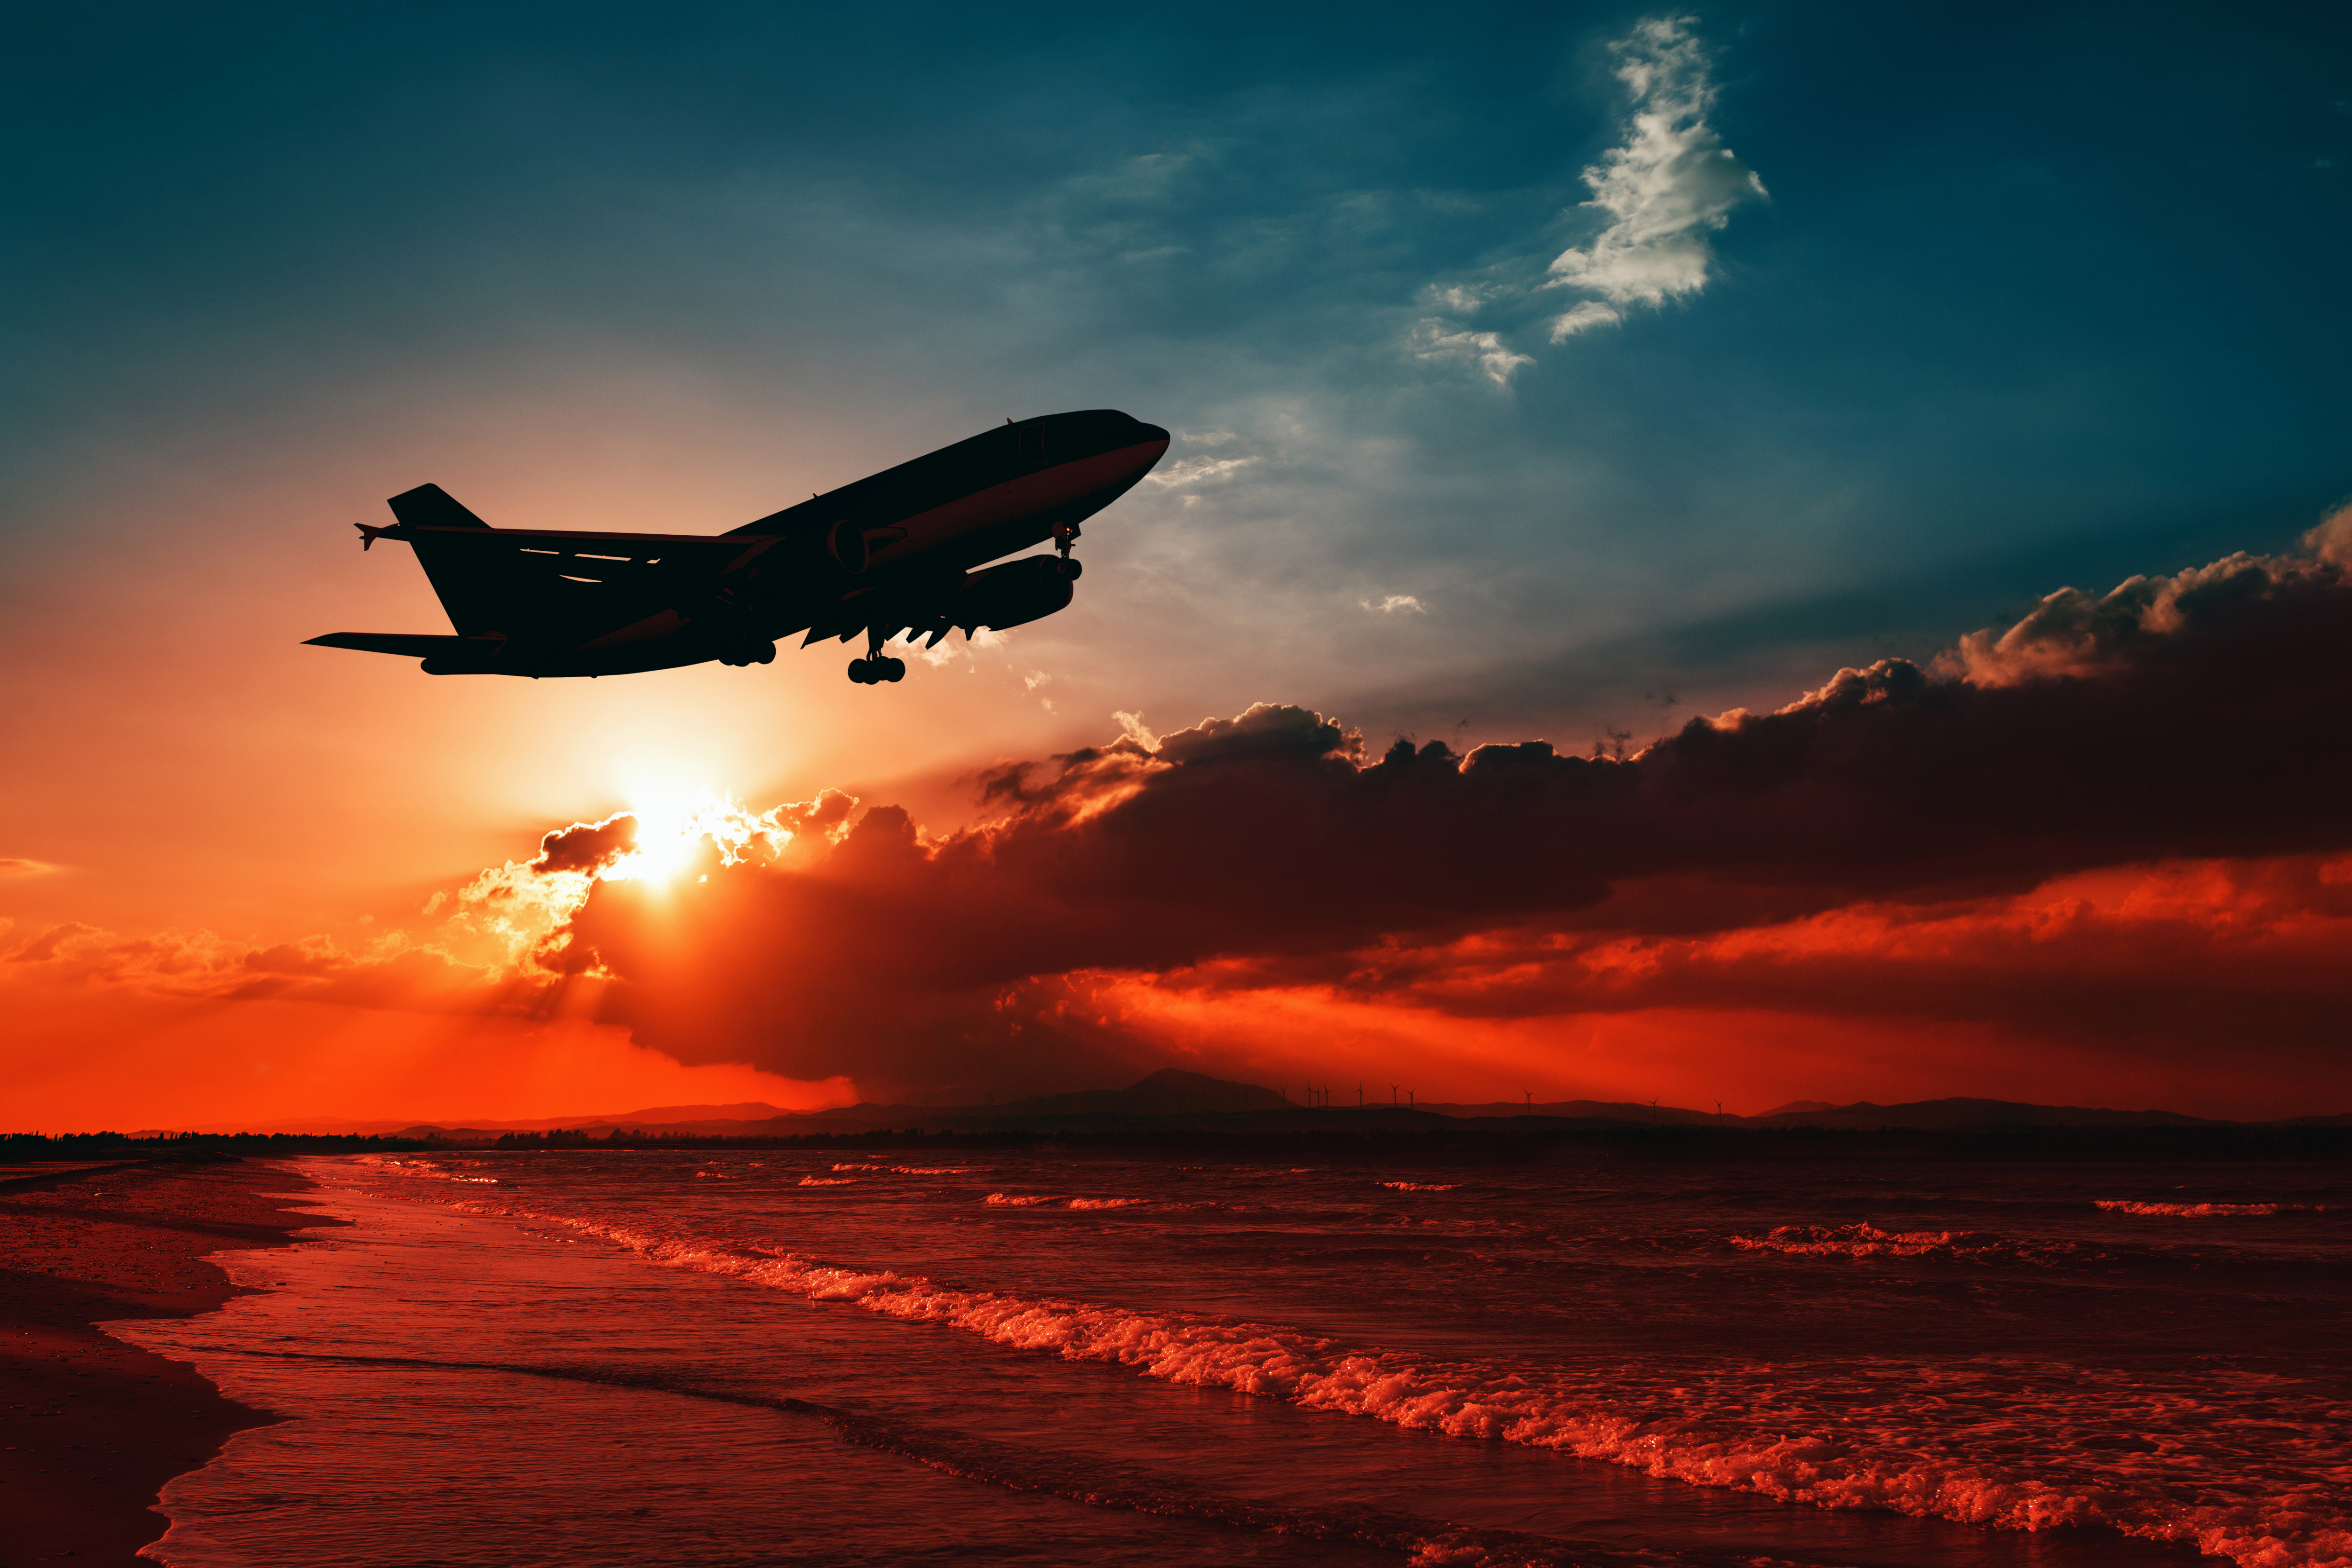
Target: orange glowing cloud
(2101, 848)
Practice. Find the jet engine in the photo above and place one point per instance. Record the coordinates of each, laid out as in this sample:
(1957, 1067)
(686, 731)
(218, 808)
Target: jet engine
(1013, 594)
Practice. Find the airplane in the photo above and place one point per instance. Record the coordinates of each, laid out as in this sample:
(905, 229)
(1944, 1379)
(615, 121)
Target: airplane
(902, 550)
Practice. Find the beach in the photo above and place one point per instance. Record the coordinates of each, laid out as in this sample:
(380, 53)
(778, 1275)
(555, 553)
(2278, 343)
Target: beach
(95, 1426)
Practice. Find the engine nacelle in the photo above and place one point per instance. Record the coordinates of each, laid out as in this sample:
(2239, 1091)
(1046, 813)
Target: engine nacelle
(1013, 594)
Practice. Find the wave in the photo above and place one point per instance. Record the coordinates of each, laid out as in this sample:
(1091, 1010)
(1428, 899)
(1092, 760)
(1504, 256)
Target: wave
(1422, 1186)
(431, 1168)
(912, 1170)
(1708, 1430)
(828, 1181)
(1863, 1239)
(2204, 1210)
(1015, 1200)
(1107, 1202)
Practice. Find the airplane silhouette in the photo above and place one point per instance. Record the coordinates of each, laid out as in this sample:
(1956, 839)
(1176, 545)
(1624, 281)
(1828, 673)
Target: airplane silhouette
(892, 553)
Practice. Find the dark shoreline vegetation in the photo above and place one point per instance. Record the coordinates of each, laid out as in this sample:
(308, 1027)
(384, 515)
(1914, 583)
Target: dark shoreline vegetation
(1322, 1132)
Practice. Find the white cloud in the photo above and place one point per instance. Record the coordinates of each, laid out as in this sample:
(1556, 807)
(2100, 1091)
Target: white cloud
(1431, 340)
(1666, 188)
(1661, 191)
(1398, 601)
(1590, 313)
(1196, 471)
(1131, 726)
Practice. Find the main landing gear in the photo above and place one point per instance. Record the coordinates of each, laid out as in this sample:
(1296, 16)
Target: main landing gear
(748, 651)
(874, 669)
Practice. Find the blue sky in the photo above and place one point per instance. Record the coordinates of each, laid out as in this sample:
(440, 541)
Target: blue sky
(2019, 297)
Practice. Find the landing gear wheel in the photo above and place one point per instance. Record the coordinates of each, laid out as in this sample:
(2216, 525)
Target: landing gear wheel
(862, 672)
(893, 669)
(873, 672)
(750, 651)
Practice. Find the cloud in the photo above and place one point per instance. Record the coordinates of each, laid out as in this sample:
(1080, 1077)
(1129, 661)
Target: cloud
(1441, 342)
(2186, 719)
(2118, 821)
(2331, 540)
(1190, 471)
(393, 973)
(1395, 603)
(17, 865)
(1670, 185)
(586, 846)
(1661, 194)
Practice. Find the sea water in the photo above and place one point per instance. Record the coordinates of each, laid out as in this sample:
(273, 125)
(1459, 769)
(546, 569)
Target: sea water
(632, 1357)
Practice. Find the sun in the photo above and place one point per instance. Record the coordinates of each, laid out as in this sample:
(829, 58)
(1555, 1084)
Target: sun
(672, 822)
(680, 827)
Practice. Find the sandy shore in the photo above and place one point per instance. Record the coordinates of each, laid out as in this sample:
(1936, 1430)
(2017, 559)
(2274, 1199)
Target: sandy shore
(91, 1428)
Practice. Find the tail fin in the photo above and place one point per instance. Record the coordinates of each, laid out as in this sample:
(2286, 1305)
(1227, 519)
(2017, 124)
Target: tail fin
(431, 506)
(472, 586)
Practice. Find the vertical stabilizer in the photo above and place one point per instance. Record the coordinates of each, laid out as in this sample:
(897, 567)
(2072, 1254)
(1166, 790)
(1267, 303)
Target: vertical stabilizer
(470, 582)
(431, 506)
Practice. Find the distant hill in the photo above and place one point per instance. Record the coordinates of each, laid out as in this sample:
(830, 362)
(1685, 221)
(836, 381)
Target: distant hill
(1583, 1111)
(745, 1111)
(1171, 1092)
(1172, 1095)
(1937, 1116)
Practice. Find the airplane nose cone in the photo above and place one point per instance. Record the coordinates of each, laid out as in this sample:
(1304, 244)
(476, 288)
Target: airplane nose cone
(1152, 433)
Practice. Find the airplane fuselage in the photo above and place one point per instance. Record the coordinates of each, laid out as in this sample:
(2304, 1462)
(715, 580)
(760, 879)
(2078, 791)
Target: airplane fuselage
(893, 552)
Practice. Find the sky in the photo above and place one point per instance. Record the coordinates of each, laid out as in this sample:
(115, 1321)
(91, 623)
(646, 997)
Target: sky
(1885, 459)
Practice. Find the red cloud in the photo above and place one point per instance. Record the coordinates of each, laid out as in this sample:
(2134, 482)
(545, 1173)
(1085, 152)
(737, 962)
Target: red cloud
(1863, 851)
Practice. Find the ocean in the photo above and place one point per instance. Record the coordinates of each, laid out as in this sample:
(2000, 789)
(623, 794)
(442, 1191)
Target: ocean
(634, 1356)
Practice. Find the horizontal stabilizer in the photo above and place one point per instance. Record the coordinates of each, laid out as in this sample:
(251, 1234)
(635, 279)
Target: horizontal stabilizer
(407, 644)
(431, 506)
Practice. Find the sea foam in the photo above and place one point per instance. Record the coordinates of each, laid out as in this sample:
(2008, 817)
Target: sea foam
(1841, 1441)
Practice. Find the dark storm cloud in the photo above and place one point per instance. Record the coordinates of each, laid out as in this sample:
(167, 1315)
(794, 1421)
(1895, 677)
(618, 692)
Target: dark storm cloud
(2199, 716)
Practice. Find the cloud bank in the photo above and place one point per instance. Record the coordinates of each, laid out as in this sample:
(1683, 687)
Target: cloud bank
(2118, 828)
(2123, 818)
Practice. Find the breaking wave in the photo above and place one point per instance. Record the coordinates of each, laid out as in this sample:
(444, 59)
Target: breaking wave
(1863, 1239)
(1858, 1440)
(1015, 1200)
(2204, 1210)
(1107, 1202)
(828, 1181)
(1422, 1186)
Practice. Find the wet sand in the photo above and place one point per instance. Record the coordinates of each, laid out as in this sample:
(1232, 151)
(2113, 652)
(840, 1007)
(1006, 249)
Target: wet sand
(91, 1428)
